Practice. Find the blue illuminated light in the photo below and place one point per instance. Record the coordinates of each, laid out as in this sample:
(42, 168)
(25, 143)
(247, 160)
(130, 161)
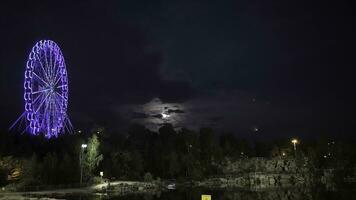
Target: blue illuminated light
(46, 90)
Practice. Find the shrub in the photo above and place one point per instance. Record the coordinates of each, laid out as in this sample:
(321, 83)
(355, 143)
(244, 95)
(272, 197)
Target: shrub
(3, 176)
(148, 177)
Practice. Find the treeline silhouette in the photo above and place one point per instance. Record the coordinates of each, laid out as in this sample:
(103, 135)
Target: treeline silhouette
(167, 154)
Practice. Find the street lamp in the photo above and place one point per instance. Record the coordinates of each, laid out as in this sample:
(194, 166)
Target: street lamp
(84, 146)
(101, 175)
(188, 149)
(295, 142)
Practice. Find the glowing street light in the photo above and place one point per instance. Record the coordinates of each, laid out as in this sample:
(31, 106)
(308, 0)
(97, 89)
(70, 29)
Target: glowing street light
(295, 142)
(84, 146)
(101, 175)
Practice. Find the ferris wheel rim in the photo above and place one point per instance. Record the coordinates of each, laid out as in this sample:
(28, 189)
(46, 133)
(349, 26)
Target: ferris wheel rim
(46, 106)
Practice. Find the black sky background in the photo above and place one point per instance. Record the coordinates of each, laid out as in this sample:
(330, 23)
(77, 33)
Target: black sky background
(288, 65)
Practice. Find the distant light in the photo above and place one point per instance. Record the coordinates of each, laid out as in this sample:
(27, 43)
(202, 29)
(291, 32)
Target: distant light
(101, 174)
(98, 132)
(242, 153)
(84, 146)
(164, 116)
(295, 141)
(283, 154)
(325, 156)
(79, 131)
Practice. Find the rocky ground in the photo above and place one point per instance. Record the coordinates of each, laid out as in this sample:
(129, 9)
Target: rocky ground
(117, 188)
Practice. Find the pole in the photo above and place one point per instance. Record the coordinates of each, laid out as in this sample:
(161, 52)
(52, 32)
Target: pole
(295, 149)
(186, 175)
(81, 166)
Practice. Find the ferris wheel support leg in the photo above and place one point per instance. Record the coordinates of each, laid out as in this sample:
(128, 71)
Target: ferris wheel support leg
(18, 119)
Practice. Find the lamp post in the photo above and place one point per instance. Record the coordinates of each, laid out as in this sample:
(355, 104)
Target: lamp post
(295, 142)
(101, 175)
(83, 147)
(188, 149)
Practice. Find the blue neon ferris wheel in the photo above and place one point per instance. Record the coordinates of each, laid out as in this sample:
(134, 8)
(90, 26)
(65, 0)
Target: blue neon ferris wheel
(46, 90)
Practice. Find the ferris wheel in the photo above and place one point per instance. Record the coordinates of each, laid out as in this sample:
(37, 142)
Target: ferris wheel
(46, 90)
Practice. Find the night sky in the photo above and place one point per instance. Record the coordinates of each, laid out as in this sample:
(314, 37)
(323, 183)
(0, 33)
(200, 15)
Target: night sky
(273, 68)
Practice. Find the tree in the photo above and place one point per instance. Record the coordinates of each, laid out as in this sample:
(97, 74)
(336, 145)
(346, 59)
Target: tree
(49, 168)
(67, 169)
(173, 166)
(92, 157)
(31, 171)
(148, 177)
(209, 151)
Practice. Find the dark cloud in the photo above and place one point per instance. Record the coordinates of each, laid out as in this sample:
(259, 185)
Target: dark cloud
(216, 119)
(109, 61)
(131, 60)
(159, 116)
(175, 111)
(137, 115)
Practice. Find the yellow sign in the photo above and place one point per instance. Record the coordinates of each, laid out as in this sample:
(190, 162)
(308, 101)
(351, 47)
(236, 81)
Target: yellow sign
(205, 197)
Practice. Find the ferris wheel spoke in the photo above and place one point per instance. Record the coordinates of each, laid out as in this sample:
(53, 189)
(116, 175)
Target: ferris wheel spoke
(55, 69)
(57, 110)
(50, 67)
(40, 91)
(47, 66)
(50, 62)
(38, 97)
(43, 69)
(56, 76)
(62, 86)
(50, 110)
(59, 104)
(45, 111)
(59, 78)
(39, 78)
(42, 103)
(61, 96)
(45, 116)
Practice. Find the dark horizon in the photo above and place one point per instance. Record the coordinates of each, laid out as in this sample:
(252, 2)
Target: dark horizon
(282, 68)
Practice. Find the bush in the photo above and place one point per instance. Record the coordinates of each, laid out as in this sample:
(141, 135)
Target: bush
(148, 177)
(97, 180)
(158, 180)
(3, 177)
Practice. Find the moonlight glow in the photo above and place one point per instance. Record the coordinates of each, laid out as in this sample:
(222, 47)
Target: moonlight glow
(165, 116)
